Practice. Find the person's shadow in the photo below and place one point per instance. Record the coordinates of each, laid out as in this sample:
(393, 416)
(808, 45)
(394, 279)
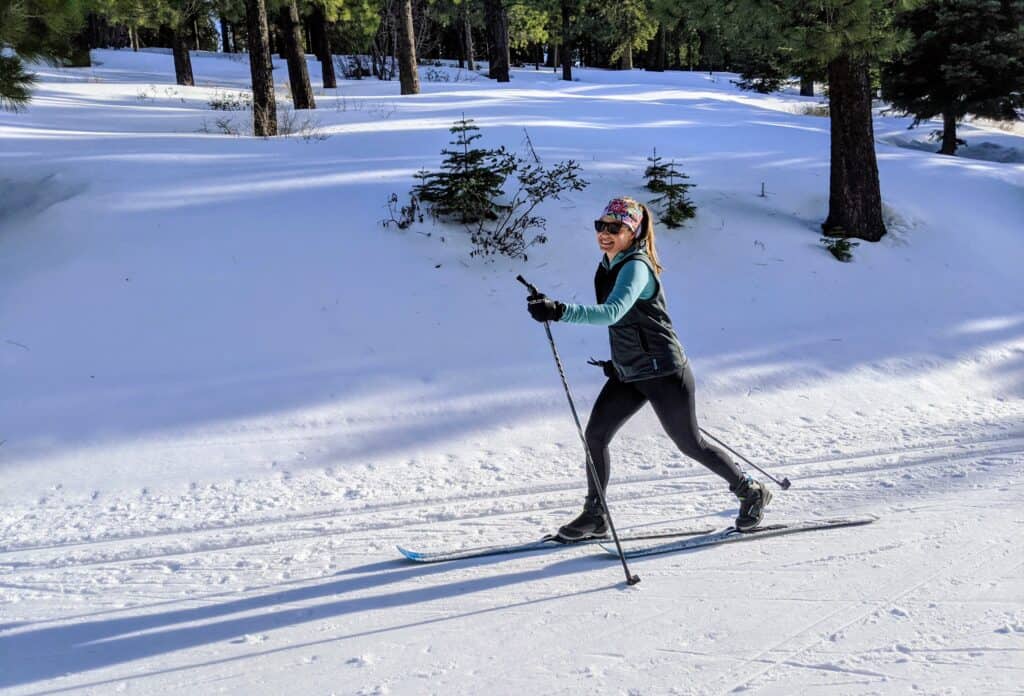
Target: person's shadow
(32, 655)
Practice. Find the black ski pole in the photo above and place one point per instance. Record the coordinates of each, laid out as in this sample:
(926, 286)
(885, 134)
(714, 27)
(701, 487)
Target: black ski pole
(630, 578)
(784, 483)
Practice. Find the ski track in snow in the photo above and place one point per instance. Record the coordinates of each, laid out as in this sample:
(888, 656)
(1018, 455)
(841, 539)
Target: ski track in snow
(473, 508)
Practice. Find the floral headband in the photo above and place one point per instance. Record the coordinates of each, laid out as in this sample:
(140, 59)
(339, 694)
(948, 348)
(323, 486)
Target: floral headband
(625, 209)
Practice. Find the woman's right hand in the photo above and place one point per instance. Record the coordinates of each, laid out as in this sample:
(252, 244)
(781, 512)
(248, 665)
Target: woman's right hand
(606, 366)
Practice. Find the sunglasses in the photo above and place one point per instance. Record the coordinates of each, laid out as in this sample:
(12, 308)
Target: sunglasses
(609, 227)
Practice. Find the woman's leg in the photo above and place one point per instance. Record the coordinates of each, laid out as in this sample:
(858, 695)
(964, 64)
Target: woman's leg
(617, 403)
(673, 401)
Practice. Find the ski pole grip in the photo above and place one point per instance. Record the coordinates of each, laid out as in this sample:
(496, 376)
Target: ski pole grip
(533, 290)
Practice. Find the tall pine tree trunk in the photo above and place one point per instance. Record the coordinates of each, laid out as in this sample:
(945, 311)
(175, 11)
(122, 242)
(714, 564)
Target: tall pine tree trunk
(182, 61)
(264, 106)
(461, 41)
(497, 28)
(855, 197)
(279, 35)
(298, 73)
(133, 36)
(225, 34)
(948, 132)
(626, 62)
(467, 31)
(407, 75)
(321, 41)
(566, 46)
(656, 51)
(806, 86)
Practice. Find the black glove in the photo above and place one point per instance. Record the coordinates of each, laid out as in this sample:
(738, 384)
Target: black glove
(606, 366)
(544, 309)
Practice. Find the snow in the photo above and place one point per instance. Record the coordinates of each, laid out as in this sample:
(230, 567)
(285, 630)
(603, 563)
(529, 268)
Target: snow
(228, 392)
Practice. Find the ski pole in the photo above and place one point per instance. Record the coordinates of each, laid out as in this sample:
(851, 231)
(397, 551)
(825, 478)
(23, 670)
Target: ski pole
(630, 578)
(784, 483)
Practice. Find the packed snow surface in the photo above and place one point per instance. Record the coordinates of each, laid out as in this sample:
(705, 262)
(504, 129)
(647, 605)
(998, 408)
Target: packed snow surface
(227, 392)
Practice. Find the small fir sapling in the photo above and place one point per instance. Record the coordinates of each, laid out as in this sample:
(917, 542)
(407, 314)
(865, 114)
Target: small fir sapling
(470, 182)
(469, 190)
(676, 207)
(840, 247)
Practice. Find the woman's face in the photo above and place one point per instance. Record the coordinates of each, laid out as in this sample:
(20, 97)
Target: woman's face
(613, 243)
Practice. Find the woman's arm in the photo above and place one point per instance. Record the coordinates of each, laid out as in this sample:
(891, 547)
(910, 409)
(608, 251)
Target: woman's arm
(634, 282)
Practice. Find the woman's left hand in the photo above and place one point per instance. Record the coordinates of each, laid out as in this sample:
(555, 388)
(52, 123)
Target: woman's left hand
(542, 308)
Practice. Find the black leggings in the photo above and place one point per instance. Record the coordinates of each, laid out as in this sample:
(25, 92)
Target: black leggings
(673, 402)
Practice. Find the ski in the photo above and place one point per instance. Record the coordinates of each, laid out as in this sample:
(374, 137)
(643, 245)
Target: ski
(731, 534)
(549, 541)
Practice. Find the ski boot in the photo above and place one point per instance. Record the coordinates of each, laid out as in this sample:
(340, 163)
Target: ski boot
(590, 524)
(753, 496)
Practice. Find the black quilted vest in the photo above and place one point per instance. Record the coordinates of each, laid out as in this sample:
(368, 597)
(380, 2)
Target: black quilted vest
(644, 344)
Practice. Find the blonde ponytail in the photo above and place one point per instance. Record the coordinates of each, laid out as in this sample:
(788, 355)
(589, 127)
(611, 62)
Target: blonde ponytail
(646, 238)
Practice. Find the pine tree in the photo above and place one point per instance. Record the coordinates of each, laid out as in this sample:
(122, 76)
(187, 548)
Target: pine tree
(321, 38)
(845, 37)
(656, 173)
(34, 30)
(407, 75)
(630, 26)
(293, 41)
(496, 16)
(470, 181)
(676, 206)
(966, 56)
(264, 102)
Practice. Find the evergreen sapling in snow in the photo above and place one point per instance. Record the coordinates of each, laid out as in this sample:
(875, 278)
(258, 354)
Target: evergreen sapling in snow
(656, 173)
(840, 247)
(469, 189)
(470, 182)
(676, 207)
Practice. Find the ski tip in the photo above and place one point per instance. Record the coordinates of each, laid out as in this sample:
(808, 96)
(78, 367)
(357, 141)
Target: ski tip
(411, 555)
(866, 518)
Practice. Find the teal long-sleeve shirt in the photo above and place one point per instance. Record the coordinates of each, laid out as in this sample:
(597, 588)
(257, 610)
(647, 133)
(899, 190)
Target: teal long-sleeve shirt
(634, 282)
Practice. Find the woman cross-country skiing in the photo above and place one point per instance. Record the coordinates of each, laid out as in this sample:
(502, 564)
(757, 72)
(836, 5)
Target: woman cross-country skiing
(647, 365)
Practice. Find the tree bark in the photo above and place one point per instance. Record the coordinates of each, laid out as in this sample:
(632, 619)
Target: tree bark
(279, 34)
(949, 143)
(298, 73)
(461, 41)
(225, 34)
(806, 86)
(467, 28)
(855, 197)
(407, 75)
(264, 106)
(497, 28)
(566, 47)
(133, 36)
(626, 62)
(182, 61)
(656, 59)
(321, 41)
